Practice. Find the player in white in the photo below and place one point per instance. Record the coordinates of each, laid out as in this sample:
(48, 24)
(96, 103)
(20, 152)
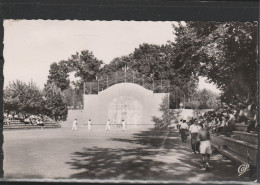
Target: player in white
(89, 125)
(74, 125)
(123, 125)
(108, 125)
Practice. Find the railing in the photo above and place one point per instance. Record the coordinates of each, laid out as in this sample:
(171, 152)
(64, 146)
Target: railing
(102, 83)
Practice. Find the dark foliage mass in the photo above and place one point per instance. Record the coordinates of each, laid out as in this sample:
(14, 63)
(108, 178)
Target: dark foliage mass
(225, 53)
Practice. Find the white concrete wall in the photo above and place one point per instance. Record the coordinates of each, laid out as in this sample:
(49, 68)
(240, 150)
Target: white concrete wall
(96, 106)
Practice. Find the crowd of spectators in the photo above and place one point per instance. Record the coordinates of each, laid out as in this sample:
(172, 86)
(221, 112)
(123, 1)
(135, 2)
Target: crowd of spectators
(223, 120)
(29, 119)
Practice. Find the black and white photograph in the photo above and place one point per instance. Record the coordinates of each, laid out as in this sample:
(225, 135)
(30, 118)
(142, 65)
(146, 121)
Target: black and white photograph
(120, 101)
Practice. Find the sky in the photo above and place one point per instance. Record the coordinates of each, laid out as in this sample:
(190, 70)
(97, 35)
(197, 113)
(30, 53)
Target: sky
(30, 46)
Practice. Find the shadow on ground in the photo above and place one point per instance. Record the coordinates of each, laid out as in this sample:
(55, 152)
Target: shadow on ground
(145, 158)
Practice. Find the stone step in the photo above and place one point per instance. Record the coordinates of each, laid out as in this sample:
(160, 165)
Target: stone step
(53, 126)
(230, 154)
(21, 127)
(241, 127)
(22, 123)
(9, 127)
(239, 147)
(51, 123)
(16, 123)
(245, 136)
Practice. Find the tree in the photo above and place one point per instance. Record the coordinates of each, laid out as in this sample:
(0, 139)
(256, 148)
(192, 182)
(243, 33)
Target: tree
(226, 53)
(22, 98)
(12, 95)
(58, 74)
(203, 99)
(86, 65)
(168, 115)
(54, 104)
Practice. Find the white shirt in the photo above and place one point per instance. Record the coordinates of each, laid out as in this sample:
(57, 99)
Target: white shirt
(74, 122)
(184, 126)
(194, 128)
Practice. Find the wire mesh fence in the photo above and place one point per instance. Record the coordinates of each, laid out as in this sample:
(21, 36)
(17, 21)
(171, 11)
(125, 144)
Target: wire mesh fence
(177, 99)
(104, 82)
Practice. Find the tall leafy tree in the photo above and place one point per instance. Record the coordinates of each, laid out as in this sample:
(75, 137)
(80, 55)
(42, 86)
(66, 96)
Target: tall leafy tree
(12, 95)
(54, 103)
(23, 98)
(226, 53)
(59, 75)
(86, 65)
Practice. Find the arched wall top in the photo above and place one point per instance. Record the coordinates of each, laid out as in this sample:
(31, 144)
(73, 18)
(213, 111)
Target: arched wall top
(126, 89)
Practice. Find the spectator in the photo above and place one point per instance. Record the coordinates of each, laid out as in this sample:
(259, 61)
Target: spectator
(194, 129)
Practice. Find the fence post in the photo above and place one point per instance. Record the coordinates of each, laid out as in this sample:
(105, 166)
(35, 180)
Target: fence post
(73, 101)
(184, 101)
(161, 86)
(84, 87)
(176, 104)
(107, 81)
(98, 85)
(125, 74)
(153, 83)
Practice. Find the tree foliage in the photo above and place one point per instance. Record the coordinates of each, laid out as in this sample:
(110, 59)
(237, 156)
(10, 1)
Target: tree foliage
(58, 74)
(28, 99)
(85, 64)
(22, 98)
(168, 115)
(54, 104)
(203, 99)
(226, 53)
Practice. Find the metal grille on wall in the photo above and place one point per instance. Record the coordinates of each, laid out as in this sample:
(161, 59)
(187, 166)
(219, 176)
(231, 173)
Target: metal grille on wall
(178, 99)
(102, 83)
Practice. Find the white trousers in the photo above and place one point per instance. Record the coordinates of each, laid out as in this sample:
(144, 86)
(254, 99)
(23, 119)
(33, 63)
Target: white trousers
(74, 127)
(107, 127)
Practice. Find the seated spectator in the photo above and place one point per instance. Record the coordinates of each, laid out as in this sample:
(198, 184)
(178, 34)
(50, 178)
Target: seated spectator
(241, 116)
(27, 121)
(252, 127)
(16, 117)
(221, 125)
(10, 117)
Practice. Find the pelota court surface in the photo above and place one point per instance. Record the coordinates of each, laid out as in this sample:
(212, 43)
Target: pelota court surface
(135, 154)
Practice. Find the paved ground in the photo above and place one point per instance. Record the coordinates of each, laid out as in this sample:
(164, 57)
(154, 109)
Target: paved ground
(116, 155)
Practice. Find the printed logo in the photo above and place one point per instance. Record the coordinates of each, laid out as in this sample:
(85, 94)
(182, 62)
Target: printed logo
(242, 169)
